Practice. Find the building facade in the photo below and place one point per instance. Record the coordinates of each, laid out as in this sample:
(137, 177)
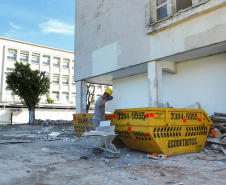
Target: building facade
(59, 67)
(155, 52)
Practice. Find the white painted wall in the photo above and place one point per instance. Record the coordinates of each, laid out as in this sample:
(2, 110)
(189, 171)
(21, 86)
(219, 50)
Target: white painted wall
(105, 59)
(23, 117)
(201, 31)
(201, 80)
(111, 35)
(134, 91)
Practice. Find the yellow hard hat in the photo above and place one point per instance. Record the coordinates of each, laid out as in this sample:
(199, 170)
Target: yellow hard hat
(109, 91)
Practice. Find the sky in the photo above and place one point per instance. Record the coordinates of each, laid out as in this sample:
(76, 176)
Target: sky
(44, 22)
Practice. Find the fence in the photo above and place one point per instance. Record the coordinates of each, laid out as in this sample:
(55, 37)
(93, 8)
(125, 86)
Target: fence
(21, 115)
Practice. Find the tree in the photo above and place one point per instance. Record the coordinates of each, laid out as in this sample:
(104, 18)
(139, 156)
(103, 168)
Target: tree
(90, 91)
(29, 85)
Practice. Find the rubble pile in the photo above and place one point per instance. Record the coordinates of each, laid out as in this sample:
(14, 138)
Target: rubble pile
(217, 134)
(52, 122)
(219, 126)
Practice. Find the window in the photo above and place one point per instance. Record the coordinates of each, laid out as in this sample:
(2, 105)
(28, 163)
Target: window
(24, 56)
(72, 65)
(8, 92)
(183, 4)
(10, 69)
(46, 60)
(65, 96)
(55, 95)
(65, 80)
(161, 14)
(56, 62)
(161, 9)
(73, 96)
(35, 58)
(98, 86)
(11, 54)
(56, 79)
(73, 83)
(47, 75)
(66, 63)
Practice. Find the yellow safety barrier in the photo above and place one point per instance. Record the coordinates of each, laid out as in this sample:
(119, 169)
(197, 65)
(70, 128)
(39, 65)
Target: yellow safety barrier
(162, 130)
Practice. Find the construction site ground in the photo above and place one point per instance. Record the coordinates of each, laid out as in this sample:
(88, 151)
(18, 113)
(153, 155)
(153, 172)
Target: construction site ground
(26, 159)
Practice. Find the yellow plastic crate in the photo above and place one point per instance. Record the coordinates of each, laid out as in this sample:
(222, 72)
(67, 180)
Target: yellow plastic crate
(162, 130)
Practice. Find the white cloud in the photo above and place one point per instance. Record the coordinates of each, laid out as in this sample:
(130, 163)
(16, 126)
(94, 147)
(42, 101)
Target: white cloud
(55, 26)
(17, 27)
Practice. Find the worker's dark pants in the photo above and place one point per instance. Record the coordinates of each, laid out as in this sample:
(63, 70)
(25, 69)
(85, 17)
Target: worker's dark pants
(96, 123)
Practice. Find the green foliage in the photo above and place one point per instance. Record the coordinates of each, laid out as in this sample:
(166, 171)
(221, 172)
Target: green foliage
(50, 100)
(28, 84)
(93, 101)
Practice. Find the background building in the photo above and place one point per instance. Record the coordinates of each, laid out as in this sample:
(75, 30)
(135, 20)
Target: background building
(59, 67)
(156, 52)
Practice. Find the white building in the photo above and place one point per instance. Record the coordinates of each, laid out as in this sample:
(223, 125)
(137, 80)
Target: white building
(153, 51)
(59, 67)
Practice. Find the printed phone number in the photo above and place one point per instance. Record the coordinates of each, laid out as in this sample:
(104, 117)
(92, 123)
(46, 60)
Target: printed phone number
(188, 116)
(134, 115)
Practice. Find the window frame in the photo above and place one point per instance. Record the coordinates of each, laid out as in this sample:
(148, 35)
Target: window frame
(35, 55)
(65, 80)
(56, 81)
(67, 62)
(25, 57)
(175, 17)
(48, 60)
(55, 95)
(160, 6)
(14, 58)
(54, 62)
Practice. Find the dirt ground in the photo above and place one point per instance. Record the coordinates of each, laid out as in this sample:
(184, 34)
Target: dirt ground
(29, 159)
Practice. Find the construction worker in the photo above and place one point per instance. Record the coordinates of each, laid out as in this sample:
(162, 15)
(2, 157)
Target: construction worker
(99, 110)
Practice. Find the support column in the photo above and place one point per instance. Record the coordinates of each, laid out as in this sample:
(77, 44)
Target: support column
(155, 84)
(81, 97)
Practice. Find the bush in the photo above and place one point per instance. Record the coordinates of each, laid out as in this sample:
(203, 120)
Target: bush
(50, 100)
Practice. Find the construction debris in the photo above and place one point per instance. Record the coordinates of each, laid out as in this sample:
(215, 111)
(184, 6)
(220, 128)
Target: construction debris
(217, 134)
(52, 122)
(157, 156)
(14, 141)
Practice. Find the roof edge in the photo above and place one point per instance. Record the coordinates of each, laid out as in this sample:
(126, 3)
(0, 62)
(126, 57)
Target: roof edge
(22, 42)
